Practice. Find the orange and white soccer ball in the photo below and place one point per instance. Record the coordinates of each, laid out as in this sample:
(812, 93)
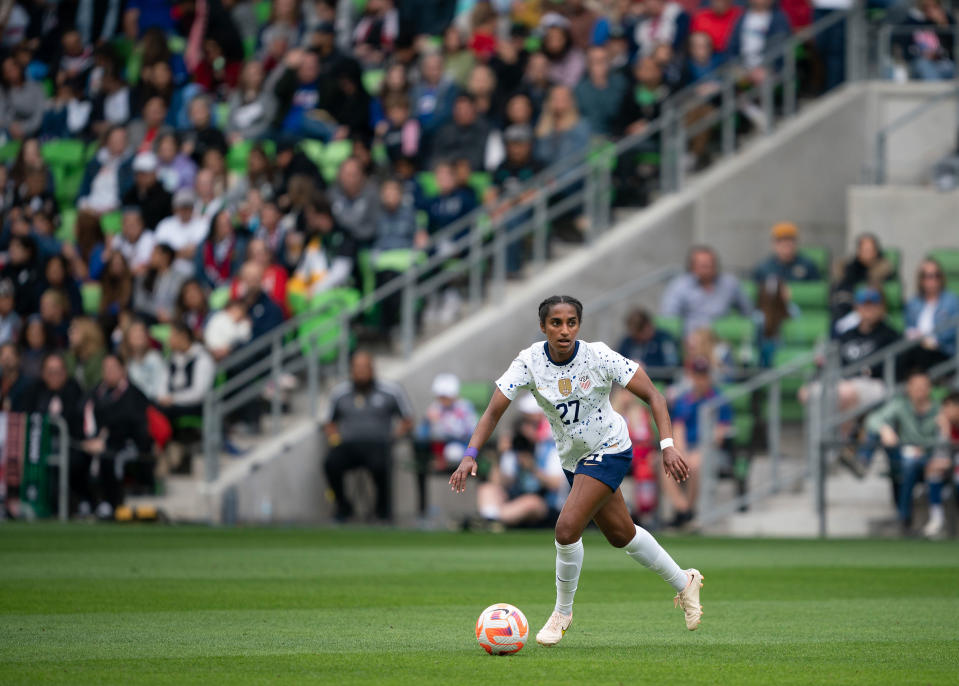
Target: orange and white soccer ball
(502, 629)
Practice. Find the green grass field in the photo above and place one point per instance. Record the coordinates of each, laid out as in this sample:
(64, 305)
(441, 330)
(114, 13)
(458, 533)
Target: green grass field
(113, 604)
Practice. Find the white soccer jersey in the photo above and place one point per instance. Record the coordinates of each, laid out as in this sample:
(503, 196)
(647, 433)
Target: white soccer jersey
(575, 396)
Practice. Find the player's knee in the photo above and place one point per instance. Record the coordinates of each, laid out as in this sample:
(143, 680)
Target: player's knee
(567, 532)
(621, 536)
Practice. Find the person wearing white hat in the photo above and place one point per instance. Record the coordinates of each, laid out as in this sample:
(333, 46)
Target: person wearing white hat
(184, 230)
(147, 193)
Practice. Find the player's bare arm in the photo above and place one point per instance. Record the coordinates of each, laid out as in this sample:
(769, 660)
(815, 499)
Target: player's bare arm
(642, 387)
(484, 429)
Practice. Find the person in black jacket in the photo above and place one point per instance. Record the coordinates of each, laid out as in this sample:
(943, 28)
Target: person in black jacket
(115, 426)
(13, 383)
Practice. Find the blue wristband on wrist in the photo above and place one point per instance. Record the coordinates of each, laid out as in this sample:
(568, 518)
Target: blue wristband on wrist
(471, 452)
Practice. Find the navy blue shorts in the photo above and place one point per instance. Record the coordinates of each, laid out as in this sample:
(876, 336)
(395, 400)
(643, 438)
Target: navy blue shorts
(610, 468)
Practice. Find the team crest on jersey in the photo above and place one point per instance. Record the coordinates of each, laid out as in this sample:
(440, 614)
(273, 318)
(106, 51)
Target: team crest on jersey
(565, 386)
(585, 383)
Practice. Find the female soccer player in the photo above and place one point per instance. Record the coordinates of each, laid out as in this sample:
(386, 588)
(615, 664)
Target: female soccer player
(571, 381)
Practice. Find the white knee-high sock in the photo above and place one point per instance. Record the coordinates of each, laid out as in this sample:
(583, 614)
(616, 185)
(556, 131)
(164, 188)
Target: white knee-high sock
(647, 552)
(569, 562)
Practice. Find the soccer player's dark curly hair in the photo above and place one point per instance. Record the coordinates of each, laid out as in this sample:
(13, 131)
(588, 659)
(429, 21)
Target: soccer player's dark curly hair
(547, 305)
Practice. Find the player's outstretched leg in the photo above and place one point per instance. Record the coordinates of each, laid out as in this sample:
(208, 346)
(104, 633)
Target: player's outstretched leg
(615, 523)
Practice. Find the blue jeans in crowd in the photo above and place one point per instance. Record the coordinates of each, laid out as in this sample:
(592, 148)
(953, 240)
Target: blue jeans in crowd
(907, 464)
(933, 70)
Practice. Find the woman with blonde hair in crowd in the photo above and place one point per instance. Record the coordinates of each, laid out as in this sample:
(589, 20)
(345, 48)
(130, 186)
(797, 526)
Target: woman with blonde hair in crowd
(145, 365)
(85, 355)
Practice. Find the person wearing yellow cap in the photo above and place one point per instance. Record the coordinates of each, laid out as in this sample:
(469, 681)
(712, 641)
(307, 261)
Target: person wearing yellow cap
(785, 262)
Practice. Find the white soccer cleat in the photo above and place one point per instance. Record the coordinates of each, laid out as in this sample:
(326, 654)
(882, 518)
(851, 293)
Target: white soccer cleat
(556, 626)
(688, 599)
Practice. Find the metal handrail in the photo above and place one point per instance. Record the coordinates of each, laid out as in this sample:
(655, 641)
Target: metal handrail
(588, 169)
(882, 136)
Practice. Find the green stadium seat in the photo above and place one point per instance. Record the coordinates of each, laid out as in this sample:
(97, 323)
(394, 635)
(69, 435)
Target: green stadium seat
(112, 222)
(949, 259)
(743, 425)
(67, 182)
(750, 289)
(9, 151)
(478, 393)
(735, 328)
(897, 320)
(373, 80)
(894, 255)
(334, 154)
(249, 47)
(427, 182)
(806, 329)
(90, 294)
(397, 260)
(810, 295)
(326, 309)
(671, 325)
(313, 149)
(67, 231)
(161, 334)
(364, 260)
(297, 302)
(480, 182)
(818, 255)
(893, 293)
(263, 10)
(219, 297)
(742, 403)
(63, 153)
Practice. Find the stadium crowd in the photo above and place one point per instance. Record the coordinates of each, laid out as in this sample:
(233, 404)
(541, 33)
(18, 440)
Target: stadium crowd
(180, 177)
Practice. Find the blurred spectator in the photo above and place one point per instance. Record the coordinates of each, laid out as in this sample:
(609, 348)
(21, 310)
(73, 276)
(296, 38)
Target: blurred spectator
(144, 131)
(929, 46)
(870, 335)
(227, 330)
(53, 312)
(560, 131)
(354, 203)
(274, 276)
(329, 256)
(192, 306)
(663, 23)
(600, 94)
(908, 431)
(22, 102)
(645, 473)
(116, 290)
(717, 19)
(22, 269)
(376, 32)
(509, 180)
(175, 170)
(36, 342)
(108, 175)
(685, 416)
(219, 257)
(188, 375)
(13, 383)
(56, 275)
(458, 59)
(84, 358)
(525, 487)
(86, 257)
(703, 294)
(399, 132)
(760, 29)
(133, 242)
(869, 266)
(943, 464)
(566, 61)
(115, 427)
(465, 137)
(786, 263)
(202, 135)
(360, 431)
(184, 230)
(636, 174)
(145, 365)
(147, 193)
(10, 321)
(932, 316)
(396, 229)
(265, 315)
(155, 291)
(433, 95)
(252, 106)
(653, 348)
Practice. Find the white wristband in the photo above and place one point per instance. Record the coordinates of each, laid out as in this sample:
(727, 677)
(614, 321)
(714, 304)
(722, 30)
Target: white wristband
(665, 443)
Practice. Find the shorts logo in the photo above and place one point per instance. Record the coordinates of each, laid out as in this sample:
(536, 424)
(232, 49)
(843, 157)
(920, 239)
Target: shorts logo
(585, 383)
(595, 458)
(565, 386)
